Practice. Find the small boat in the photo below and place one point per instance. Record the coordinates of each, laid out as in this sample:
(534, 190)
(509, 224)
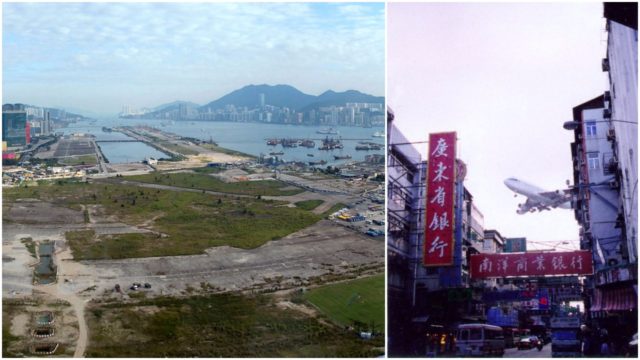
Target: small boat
(341, 157)
(276, 153)
(378, 134)
(310, 155)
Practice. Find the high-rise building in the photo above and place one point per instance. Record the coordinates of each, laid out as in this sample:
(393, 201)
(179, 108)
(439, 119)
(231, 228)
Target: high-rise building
(424, 302)
(14, 125)
(621, 64)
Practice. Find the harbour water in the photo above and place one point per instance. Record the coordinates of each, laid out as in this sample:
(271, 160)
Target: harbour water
(250, 138)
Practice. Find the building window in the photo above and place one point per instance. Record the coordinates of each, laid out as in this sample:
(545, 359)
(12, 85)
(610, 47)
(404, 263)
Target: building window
(590, 128)
(592, 159)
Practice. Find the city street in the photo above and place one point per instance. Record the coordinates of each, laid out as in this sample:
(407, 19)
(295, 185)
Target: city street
(531, 353)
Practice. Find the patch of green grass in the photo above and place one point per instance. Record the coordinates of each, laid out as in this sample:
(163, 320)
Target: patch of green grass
(309, 204)
(358, 301)
(183, 150)
(206, 182)
(208, 170)
(221, 325)
(216, 148)
(30, 245)
(79, 160)
(8, 339)
(333, 209)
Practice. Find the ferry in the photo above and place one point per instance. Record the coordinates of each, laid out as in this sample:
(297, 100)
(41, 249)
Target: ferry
(329, 131)
(378, 134)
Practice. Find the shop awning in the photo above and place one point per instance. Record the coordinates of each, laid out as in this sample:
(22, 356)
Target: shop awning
(614, 299)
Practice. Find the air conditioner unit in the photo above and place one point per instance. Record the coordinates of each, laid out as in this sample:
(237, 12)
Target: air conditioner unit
(611, 135)
(605, 64)
(607, 96)
(606, 113)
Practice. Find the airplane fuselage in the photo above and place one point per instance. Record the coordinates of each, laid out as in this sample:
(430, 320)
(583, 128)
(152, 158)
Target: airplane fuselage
(531, 191)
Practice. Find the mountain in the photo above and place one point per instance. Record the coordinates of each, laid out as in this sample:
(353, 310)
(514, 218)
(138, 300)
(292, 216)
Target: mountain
(174, 105)
(274, 95)
(249, 96)
(330, 97)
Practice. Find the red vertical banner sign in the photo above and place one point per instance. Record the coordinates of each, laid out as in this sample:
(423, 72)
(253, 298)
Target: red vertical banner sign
(439, 235)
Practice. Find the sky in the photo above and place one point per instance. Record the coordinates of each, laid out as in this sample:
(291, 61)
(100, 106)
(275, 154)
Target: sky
(505, 77)
(101, 56)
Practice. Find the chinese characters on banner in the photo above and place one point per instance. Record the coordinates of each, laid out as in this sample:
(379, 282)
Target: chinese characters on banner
(531, 264)
(439, 221)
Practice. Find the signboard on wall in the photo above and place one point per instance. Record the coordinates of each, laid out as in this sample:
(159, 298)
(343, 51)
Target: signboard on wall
(531, 264)
(439, 235)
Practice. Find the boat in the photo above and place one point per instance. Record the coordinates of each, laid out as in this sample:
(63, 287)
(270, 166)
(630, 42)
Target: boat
(273, 142)
(321, 162)
(378, 134)
(276, 153)
(310, 155)
(308, 143)
(328, 131)
(341, 157)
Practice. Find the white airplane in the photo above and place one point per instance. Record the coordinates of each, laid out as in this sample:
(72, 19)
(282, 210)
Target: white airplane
(538, 199)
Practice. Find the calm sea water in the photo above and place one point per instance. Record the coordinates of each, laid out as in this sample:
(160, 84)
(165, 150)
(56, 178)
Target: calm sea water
(249, 138)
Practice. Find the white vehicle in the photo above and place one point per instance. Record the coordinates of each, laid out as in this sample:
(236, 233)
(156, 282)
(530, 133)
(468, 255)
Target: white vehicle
(479, 340)
(537, 198)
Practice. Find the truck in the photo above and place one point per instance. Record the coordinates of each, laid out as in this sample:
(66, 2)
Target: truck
(565, 340)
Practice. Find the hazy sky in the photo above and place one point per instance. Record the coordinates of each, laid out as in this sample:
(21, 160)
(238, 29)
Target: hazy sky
(100, 56)
(505, 77)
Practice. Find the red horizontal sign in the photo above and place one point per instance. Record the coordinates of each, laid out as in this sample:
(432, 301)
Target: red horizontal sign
(531, 264)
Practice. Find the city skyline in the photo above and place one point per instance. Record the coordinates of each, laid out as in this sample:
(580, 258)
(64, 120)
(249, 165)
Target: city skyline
(503, 78)
(97, 57)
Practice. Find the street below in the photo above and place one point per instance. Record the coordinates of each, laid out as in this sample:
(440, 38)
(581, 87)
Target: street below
(530, 353)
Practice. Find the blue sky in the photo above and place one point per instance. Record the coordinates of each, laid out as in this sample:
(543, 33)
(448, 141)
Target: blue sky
(100, 56)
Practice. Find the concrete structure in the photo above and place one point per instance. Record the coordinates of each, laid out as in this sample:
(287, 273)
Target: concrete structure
(426, 300)
(14, 125)
(622, 66)
(605, 181)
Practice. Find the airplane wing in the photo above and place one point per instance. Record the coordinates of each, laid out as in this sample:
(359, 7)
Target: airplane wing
(528, 206)
(557, 197)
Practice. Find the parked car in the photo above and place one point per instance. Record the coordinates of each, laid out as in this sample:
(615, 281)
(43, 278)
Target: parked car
(528, 342)
(633, 346)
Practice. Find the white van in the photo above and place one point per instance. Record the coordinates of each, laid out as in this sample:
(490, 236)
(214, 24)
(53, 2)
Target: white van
(479, 340)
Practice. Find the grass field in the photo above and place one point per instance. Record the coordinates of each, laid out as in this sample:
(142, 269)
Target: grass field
(358, 301)
(79, 160)
(193, 221)
(219, 149)
(222, 325)
(309, 204)
(206, 182)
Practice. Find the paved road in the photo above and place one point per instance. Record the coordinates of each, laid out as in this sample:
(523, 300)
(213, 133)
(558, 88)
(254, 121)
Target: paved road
(532, 353)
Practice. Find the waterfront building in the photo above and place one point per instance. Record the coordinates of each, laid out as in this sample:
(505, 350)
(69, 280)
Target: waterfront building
(15, 125)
